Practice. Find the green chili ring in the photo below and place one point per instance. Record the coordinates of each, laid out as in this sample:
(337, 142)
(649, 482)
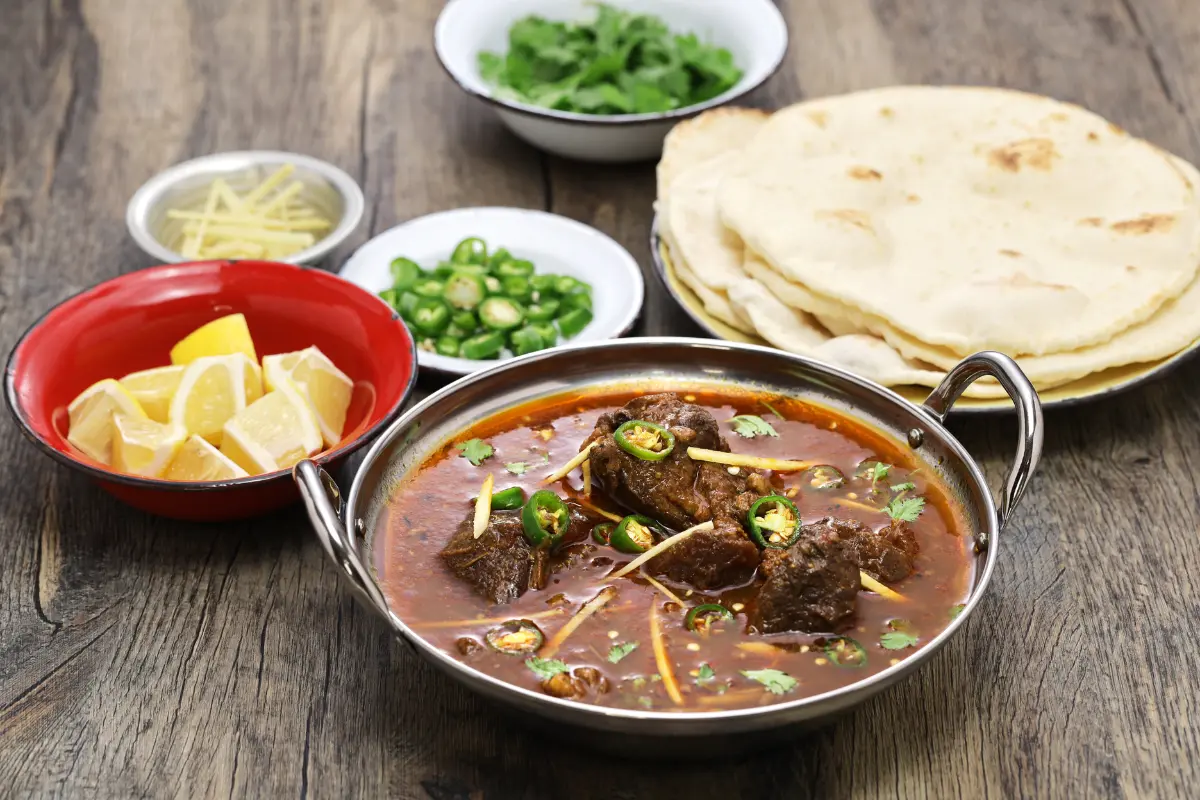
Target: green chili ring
(662, 436)
(846, 652)
(768, 536)
(517, 637)
(603, 532)
(508, 499)
(634, 534)
(704, 616)
(545, 519)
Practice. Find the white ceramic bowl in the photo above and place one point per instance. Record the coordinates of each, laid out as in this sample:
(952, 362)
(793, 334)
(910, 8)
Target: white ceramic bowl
(752, 30)
(554, 244)
(327, 188)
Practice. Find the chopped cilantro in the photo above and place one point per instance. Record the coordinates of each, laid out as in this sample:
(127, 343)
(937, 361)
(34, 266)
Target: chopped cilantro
(749, 426)
(475, 450)
(903, 487)
(617, 63)
(879, 471)
(545, 668)
(645, 702)
(517, 467)
(899, 636)
(776, 682)
(619, 651)
(905, 509)
(705, 674)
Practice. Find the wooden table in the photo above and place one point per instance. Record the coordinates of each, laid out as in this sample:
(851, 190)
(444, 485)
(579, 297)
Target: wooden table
(141, 657)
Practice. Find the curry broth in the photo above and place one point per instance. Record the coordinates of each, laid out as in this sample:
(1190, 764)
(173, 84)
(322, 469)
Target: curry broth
(427, 507)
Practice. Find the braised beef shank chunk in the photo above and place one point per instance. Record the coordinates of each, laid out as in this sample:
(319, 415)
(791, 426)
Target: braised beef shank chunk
(500, 564)
(812, 586)
(886, 554)
(680, 492)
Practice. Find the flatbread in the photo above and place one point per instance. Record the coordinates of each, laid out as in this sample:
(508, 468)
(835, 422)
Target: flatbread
(968, 219)
(705, 136)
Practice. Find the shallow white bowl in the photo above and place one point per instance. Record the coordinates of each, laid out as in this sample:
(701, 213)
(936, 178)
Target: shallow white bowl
(752, 30)
(554, 244)
(330, 190)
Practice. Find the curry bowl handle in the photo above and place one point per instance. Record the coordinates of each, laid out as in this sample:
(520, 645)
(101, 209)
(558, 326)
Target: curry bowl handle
(1029, 415)
(323, 501)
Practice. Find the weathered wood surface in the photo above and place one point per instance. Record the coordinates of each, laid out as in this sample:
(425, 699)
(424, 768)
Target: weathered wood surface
(146, 658)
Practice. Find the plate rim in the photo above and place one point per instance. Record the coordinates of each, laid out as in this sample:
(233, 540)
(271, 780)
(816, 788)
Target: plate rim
(446, 365)
(966, 405)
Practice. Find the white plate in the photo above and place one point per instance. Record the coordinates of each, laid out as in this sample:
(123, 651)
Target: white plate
(554, 244)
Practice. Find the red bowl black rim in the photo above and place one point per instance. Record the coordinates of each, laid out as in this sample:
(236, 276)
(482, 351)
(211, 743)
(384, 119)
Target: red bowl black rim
(18, 413)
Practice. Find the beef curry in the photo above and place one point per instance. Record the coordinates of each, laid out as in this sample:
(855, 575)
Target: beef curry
(695, 550)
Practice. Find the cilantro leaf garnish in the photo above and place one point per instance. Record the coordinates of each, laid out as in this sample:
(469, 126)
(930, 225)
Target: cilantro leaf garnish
(899, 636)
(545, 668)
(903, 487)
(749, 426)
(517, 467)
(619, 651)
(705, 673)
(776, 682)
(879, 471)
(905, 509)
(645, 702)
(475, 450)
(617, 63)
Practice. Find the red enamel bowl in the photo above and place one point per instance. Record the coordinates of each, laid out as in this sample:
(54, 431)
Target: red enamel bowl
(130, 323)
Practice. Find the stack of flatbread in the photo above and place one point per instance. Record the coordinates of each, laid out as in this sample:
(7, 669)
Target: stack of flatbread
(895, 231)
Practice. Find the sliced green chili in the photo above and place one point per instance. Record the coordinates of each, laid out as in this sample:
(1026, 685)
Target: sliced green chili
(465, 320)
(578, 300)
(483, 346)
(464, 291)
(429, 287)
(517, 288)
(648, 441)
(544, 285)
(547, 332)
(701, 618)
(508, 499)
(515, 268)
(543, 310)
(845, 652)
(471, 250)
(545, 519)
(603, 532)
(457, 332)
(517, 637)
(500, 314)
(448, 345)
(778, 524)
(634, 534)
(497, 258)
(430, 316)
(408, 303)
(526, 340)
(573, 322)
(565, 284)
(492, 284)
(405, 272)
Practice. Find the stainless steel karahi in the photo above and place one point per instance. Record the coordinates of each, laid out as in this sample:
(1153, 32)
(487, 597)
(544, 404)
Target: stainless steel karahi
(346, 524)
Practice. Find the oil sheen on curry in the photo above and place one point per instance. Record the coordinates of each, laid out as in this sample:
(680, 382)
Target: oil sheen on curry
(694, 550)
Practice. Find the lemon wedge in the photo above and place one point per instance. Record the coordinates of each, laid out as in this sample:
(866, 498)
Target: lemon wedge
(144, 447)
(326, 388)
(212, 390)
(274, 432)
(153, 389)
(91, 415)
(198, 460)
(221, 337)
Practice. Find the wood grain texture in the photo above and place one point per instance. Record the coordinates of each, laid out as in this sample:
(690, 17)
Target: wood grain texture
(144, 658)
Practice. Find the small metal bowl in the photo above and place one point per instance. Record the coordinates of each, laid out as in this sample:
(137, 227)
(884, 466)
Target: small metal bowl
(328, 189)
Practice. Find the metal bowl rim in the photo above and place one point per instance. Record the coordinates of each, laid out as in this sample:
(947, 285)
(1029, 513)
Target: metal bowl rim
(353, 203)
(585, 712)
